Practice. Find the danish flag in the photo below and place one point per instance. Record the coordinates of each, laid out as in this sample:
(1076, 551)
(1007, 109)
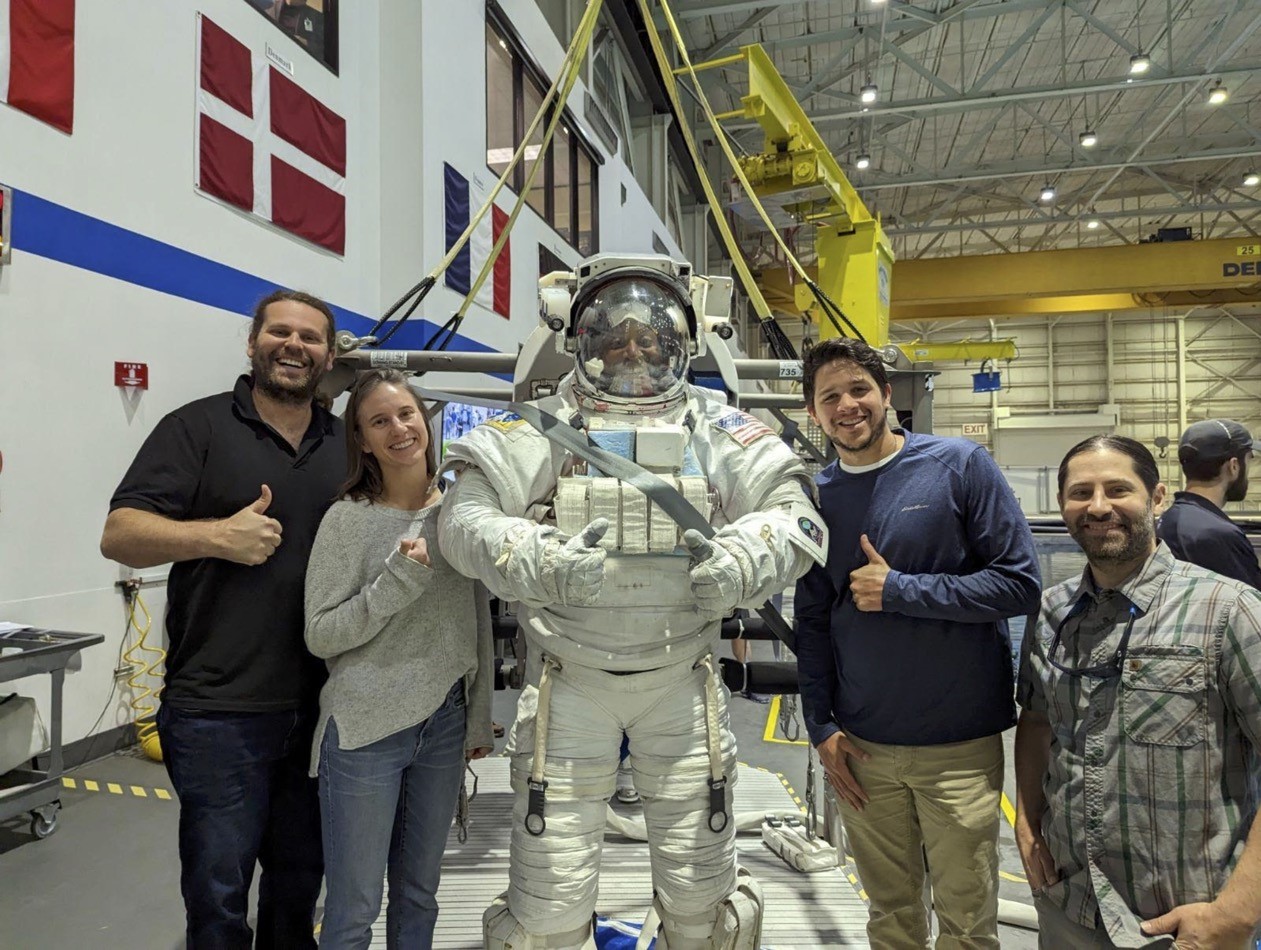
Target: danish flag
(266, 145)
(37, 59)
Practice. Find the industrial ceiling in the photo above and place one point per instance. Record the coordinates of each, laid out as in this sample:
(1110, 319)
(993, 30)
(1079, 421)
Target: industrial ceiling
(980, 105)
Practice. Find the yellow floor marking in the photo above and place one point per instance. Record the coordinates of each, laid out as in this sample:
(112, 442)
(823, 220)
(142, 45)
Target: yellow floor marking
(772, 717)
(68, 782)
(1013, 877)
(163, 794)
(114, 787)
(772, 721)
(90, 785)
(139, 792)
(1008, 810)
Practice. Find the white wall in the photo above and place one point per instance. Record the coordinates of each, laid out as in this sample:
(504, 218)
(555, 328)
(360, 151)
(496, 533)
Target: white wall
(1063, 371)
(411, 88)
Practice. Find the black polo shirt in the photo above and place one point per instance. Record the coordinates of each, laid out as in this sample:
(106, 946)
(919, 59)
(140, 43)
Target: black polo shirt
(1196, 530)
(236, 631)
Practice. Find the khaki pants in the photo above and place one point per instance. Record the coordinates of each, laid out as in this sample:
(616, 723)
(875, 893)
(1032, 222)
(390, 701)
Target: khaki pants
(941, 799)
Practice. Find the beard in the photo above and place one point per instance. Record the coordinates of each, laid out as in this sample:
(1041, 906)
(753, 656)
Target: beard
(1238, 489)
(270, 380)
(1132, 542)
(636, 378)
(877, 425)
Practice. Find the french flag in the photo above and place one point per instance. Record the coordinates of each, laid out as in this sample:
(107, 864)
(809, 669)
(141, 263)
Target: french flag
(496, 292)
(266, 145)
(37, 59)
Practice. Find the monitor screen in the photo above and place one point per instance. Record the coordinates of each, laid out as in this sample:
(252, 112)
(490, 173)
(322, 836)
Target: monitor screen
(459, 418)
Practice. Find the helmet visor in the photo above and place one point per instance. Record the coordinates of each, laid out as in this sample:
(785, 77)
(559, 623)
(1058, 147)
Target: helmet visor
(633, 339)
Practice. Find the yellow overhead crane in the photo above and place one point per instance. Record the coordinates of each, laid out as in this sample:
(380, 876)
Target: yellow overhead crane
(797, 175)
(1082, 280)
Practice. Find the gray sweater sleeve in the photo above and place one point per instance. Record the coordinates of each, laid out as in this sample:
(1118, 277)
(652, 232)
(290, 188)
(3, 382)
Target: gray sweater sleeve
(481, 685)
(345, 610)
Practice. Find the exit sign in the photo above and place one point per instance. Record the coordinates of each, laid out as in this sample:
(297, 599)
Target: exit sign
(976, 430)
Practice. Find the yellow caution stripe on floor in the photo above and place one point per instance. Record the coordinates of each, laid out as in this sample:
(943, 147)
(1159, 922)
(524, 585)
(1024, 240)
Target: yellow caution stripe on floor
(115, 788)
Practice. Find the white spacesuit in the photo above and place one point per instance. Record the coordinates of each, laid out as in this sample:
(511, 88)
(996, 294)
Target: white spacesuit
(621, 611)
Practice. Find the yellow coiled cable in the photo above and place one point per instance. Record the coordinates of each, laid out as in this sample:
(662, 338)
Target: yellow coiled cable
(142, 695)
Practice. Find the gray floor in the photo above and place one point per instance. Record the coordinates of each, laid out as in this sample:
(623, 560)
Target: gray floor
(109, 876)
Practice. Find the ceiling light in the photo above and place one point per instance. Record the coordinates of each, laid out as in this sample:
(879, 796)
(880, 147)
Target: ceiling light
(1218, 94)
(1092, 224)
(1048, 193)
(1139, 64)
(1088, 139)
(864, 161)
(868, 92)
(1251, 180)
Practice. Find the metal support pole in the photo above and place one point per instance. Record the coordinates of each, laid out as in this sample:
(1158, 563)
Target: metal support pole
(1110, 373)
(1180, 345)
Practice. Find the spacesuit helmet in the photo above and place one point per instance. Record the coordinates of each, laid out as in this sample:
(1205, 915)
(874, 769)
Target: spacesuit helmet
(633, 335)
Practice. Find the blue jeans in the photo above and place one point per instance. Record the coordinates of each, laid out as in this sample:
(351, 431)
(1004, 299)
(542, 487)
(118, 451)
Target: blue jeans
(245, 797)
(387, 809)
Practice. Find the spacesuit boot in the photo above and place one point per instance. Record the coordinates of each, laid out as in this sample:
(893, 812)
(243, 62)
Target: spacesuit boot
(502, 931)
(735, 924)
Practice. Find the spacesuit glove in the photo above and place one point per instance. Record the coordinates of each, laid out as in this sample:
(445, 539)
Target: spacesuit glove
(717, 581)
(573, 571)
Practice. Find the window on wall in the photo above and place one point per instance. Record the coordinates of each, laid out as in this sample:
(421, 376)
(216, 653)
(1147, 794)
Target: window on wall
(312, 24)
(564, 193)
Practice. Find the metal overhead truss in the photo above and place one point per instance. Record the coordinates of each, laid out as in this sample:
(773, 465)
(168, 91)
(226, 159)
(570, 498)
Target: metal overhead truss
(985, 92)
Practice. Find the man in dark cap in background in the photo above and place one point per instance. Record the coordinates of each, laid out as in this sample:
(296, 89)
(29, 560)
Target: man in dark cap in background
(1214, 455)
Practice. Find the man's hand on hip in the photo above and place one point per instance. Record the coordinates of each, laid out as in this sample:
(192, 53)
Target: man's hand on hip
(249, 536)
(866, 585)
(1201, 927)
(833, 752)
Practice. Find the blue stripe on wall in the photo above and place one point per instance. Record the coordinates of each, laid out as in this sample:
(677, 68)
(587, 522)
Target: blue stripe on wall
(53, 231)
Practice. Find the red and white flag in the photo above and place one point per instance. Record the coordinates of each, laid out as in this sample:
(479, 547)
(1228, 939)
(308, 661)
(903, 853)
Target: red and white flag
(37, 59)
(266, 145)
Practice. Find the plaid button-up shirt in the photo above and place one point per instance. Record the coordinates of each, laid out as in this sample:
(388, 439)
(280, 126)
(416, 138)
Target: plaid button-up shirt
(1153, 773)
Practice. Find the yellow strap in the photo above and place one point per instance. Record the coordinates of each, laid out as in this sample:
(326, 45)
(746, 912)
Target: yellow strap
(760, 306)
(568, 64)
(569, 70)
(723, 141)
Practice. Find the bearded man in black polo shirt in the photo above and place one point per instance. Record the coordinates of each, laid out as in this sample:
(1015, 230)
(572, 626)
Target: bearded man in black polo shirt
(231, 488)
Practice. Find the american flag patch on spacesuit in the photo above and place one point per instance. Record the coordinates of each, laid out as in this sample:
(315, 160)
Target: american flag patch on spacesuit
(742, 427)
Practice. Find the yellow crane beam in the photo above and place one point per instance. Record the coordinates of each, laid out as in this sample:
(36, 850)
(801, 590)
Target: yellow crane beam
(923, 351)
(1079, 280)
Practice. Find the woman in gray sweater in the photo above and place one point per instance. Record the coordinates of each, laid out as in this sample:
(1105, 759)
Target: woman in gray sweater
(408, 646)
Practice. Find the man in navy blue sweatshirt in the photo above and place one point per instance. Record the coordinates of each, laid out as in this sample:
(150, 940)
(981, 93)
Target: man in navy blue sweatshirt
(903, 653)
(1214, 454)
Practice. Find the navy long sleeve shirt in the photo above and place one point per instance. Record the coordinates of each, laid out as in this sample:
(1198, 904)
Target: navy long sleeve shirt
(1196, 530)
(934, 666)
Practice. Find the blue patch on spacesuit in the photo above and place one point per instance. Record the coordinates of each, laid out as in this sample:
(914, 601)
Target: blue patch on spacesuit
(504, 421)
(621, 442)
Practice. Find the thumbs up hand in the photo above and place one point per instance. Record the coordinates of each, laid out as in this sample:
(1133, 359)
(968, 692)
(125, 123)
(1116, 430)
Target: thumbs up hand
(573, 569)
(249, 536)
(867, 583)
(417, 549)
(717, 581)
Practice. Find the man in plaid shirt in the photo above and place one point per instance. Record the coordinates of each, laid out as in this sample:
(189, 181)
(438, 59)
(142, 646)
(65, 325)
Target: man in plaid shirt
(1137, 751)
